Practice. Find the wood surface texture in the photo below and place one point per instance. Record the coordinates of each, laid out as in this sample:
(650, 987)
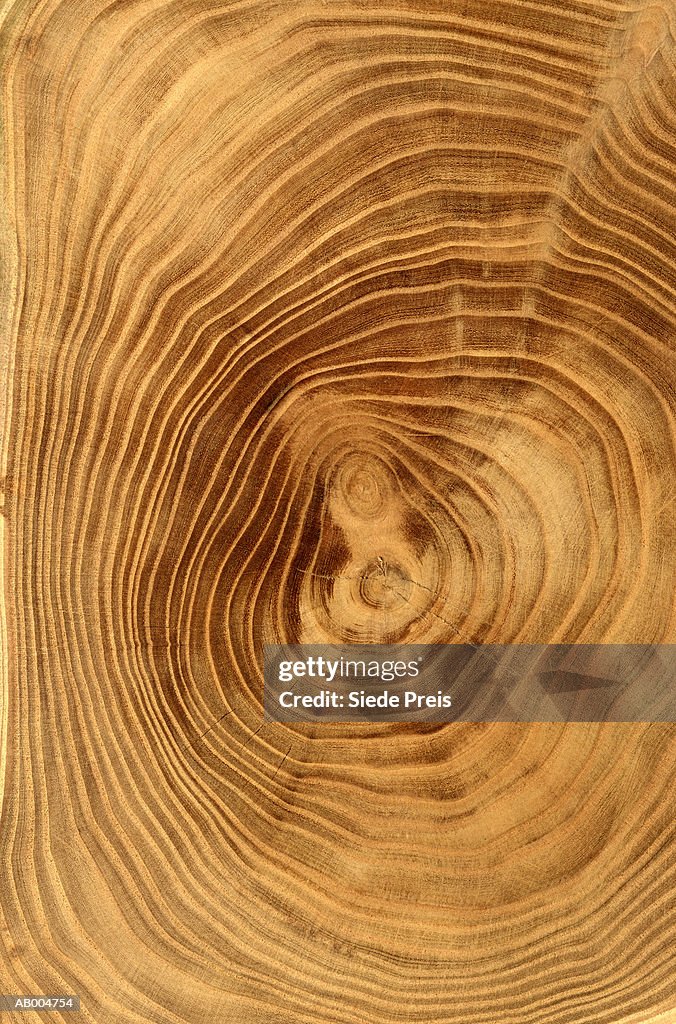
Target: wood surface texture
(333, 320)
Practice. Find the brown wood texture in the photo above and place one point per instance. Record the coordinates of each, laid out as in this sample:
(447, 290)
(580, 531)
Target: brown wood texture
(333, 320)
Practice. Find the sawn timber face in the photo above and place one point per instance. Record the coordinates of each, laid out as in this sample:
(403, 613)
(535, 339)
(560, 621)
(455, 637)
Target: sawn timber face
(333, 322)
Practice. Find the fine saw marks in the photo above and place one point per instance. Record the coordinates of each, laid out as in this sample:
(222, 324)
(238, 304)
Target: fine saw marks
(336, 321)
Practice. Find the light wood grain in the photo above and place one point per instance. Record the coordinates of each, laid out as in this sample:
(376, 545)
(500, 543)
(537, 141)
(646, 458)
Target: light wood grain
(348, 321)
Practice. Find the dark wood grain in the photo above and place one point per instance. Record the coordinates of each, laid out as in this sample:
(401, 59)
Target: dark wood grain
(347, 321)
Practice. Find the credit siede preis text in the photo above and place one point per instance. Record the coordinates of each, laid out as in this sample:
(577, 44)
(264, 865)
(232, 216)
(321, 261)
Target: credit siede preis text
(336, 671)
